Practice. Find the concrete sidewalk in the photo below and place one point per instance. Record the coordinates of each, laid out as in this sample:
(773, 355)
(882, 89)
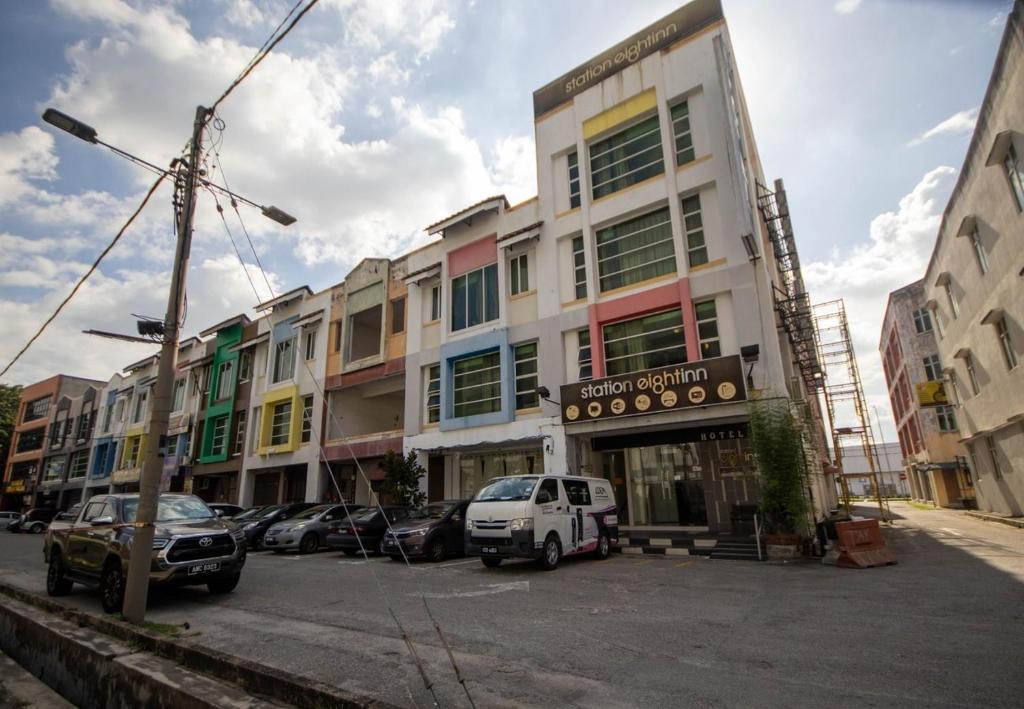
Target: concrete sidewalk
(20, 688)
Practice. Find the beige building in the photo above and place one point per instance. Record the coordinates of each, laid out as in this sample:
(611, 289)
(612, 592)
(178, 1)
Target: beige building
(974, 285)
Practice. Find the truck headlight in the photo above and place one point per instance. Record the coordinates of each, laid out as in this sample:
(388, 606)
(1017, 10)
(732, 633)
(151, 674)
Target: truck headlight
(521, 524)
(160, 543)
(469, 524)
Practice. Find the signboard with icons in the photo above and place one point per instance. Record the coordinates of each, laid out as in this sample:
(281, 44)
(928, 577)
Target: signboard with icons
(932, 394)
(703, 383)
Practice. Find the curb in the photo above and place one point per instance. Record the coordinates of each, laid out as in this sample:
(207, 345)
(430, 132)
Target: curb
(1017, 522)
(253, 677)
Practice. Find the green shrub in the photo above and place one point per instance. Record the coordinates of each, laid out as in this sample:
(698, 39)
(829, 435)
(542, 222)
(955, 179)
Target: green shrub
(777, 441)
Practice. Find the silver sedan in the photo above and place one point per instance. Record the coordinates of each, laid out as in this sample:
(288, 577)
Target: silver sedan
(307, 530)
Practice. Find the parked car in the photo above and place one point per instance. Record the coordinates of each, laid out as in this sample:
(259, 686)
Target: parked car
(225, 509)
(248, 514)
(34, 521)
(434, 531)
(542, 518)
(7, 517)
(306, 531)
(256, 527)
(191, 546)
(366, 526)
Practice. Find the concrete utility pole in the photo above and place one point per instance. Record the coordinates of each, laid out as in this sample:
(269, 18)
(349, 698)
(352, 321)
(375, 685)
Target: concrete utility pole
(137, 588)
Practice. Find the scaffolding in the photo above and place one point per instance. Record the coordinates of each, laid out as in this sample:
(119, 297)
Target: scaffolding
(844, 396)
(791, 300)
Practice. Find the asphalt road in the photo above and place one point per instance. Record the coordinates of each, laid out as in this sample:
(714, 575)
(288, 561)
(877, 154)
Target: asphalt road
(943, 628)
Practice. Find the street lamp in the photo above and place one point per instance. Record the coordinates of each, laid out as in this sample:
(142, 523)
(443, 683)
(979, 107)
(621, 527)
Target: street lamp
(186, 178)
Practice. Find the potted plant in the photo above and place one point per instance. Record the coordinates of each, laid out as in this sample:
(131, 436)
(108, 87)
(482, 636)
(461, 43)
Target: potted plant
(777, 441)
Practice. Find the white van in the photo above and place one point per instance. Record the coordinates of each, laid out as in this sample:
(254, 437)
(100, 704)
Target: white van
(543, 518)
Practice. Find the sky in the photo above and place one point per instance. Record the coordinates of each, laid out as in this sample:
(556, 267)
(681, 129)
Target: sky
(373, 119)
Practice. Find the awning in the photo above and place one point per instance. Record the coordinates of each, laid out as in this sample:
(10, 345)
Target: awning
(249, 343)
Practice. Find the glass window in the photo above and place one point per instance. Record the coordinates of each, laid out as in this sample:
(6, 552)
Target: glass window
(309, 348)
(140, 406)
(584, 357)
(922, 320)
(526, 376)
(953, 306)
(281, 423)
(681, 131)
(993, 456)
(284, 361)
(337, 336)
(397, 316)
(548, 491)
(178, 397)
(84, 426)
(1005, 343)
(435, 302)
(245, 366)
(635, 250)
(434, 393)
(225, 379)
(693, 226)
(79, 464)
(577, 491)
(133, 447)
(1015, 174)
(628, 157)
(107, 415)
(707, 329)
(307, 419)
(579, 267)
(475, 297)
(509, 489)
(971, 374)
(574, 180)
(518, 273)
(239, 432)
(31, 440)
(947, 418)
(932, 368)
(54, 468)
(477, 385)
(979, 251)
(645, 343)
(37, 409)
(220, 435)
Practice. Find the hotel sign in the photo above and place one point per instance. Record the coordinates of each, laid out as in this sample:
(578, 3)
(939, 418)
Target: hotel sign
(684, 22)
(128, 476)
(703, 383)
(16, 486)
(178, 424)
(932, 394)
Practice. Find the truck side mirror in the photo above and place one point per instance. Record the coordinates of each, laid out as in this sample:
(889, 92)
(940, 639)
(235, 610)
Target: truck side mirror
(97, 521)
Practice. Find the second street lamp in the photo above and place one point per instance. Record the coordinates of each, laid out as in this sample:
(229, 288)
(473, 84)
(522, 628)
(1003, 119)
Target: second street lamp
(186, 179)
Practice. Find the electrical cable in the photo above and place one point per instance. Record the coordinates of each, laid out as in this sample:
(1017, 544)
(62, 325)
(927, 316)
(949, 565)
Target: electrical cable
(88, 273)
(262, 54)
(231, 238)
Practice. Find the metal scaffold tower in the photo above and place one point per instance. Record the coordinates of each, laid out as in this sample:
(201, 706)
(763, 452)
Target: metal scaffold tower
(844, 395)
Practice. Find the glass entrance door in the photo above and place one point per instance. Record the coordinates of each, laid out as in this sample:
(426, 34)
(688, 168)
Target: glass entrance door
(613, 466)
(666, 486)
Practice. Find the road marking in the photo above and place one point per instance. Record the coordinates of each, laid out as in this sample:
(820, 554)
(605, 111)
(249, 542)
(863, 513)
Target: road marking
(488, 590)
(684, 563)
(444, 565)
(951, 531)
(643, 563)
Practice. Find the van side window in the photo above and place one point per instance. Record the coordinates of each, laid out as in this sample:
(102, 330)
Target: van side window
(548, 491)
(578, 492)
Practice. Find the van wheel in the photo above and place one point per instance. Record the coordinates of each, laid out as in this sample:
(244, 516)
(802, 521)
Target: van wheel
(552, 553)
(490, 562)
(604, 547)
(309, 544)
(112, 587)
(56, 584)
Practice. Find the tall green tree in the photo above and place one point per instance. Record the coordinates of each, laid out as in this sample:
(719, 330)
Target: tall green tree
(10, 397)
(402, 475)
(777, 440)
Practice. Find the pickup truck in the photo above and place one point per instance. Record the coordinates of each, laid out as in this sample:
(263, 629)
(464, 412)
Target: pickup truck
(191, 546)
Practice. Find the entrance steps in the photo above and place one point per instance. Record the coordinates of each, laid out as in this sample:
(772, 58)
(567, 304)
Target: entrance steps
(713, 546)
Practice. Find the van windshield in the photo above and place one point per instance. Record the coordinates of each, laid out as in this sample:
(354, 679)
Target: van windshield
(507, 489)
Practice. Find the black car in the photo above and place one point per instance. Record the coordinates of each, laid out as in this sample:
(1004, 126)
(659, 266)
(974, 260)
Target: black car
(224, 509)
(256, 527)
(434, 531)
(35, 521)
(367, 526)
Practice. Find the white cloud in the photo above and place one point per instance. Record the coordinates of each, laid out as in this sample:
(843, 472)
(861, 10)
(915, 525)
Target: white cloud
(846, 7)
(514, 167)
(24, 156)
(900, 244)
(958, 123)
(418, 24)
(385, 69)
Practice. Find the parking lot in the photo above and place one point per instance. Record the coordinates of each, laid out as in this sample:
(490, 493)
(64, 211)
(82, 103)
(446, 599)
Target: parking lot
(940, 629)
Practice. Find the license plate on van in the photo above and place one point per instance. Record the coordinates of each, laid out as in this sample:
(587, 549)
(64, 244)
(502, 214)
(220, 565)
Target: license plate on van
(204, 568)
(488, 550)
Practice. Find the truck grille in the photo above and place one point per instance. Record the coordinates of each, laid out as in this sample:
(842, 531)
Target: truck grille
(190, 549)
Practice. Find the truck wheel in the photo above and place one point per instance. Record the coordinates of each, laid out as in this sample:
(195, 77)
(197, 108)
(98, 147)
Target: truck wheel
(56, 584)
(552, 553)
(604, 547)
(112, 587)
(437, 551)
(309, 543)
(490, 561)
(224, 585)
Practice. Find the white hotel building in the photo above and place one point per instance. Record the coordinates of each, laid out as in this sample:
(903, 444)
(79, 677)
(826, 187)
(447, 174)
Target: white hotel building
(653, 242)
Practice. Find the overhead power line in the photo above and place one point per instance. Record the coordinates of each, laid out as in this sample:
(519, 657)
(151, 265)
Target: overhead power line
(88, 273)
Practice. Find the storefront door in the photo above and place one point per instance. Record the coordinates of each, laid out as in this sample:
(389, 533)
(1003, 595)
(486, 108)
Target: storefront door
(666, 485)
(614, 470)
